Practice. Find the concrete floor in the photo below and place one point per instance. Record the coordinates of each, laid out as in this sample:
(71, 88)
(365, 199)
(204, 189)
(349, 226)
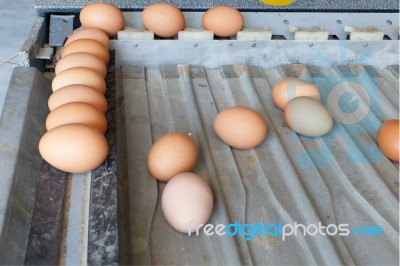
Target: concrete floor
(16, 20)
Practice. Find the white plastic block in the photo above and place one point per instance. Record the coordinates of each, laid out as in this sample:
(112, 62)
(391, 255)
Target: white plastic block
(190, 34)
(366, 36)
(260, 34)
(135, 34)
(370, 34)
(308, 35)
(316, 33)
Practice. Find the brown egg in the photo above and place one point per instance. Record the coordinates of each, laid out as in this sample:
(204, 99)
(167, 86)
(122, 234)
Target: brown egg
(290, 88)
(187, 202)
(389, 139)
(77, 113)
(103, 16)
(81, 60)
(79, 75)
(87, 46)
(170, 155)
(224, 21)
(164, 19)
(74, 148)
(89, 33)
(78, 93)
(240, 127)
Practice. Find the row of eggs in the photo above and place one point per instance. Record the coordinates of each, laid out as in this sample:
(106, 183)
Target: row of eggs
(75, 141)
(164, 19)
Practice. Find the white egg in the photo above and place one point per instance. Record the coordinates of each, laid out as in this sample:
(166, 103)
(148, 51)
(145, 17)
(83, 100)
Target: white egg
(308, 117)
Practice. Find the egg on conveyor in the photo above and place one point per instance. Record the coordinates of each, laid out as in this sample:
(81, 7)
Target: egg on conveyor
(74, 148)
(77, 113)
(290, 88)
(81, 60)
(240, 127)
(87, 46)
(89, 33)
(308, 117)
(224, 21)
(172, 154)
(389, 140)
(187, 202)
(78, 93)
(164, 19)
(79, 75)
(104, 16)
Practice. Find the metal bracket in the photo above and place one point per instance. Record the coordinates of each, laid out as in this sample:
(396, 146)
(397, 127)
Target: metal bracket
(45, 52)
(61, 27)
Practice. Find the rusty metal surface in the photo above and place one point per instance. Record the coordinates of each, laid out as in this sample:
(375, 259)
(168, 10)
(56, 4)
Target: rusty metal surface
(44, 240)
(103, 236)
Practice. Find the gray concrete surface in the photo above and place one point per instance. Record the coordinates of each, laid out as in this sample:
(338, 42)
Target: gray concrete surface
(16, 20)
(21, 126)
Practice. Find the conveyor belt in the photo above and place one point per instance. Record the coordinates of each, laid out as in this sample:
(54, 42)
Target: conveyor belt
(339, 178)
